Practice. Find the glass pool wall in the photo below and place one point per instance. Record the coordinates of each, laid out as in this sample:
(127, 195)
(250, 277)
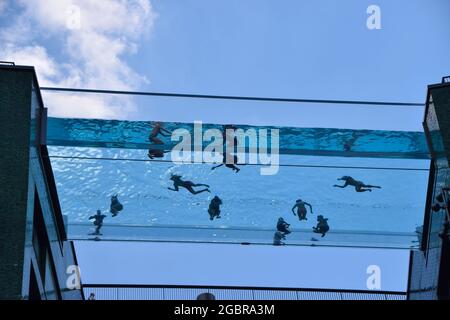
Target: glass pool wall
(94, 159)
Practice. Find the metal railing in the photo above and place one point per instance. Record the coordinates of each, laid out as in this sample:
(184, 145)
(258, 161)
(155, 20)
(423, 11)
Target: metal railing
(170, 292)
(241, 98)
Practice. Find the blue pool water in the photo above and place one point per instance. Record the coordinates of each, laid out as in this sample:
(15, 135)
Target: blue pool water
(94, 159)
(301, 141)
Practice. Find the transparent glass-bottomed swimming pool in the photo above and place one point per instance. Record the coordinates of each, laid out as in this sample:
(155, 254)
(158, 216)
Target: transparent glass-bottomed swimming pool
(95, 159)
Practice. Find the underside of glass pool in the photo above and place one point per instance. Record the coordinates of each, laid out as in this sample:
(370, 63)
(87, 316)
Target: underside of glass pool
(94, 159)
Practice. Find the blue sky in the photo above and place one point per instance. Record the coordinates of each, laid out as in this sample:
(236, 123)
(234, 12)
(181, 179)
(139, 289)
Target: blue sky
(308, 49)
(314, 49)
(236, 265)
(305, 49)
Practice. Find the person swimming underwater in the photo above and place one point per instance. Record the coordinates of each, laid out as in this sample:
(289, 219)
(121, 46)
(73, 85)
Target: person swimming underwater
(228, 165)
(156, 153)
(158, 129)
(359, 185)
(178, 182)
(115, 206)
(301, 209)
(322, 225)
(277, 239)
(283, 226)
(228, 134)
(98, 222)
(214, 208)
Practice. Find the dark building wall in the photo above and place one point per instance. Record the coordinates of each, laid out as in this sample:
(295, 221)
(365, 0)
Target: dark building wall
(34, 252)
(429, 272)
(15, 106)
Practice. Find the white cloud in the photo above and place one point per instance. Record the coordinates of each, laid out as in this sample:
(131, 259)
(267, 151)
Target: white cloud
(92, 39)
(90, 106)
(34, 56)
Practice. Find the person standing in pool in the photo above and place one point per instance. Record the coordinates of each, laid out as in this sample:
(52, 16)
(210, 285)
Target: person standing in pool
(322, 225)
(158, 129)
(301, 209)
(178, 182)
(98, 221)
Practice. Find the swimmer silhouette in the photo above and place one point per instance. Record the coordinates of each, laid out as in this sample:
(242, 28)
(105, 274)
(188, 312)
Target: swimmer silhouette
(301, 209)
(225, 135)
(228, 165)
(115, 206)
(277, 239)
(322, 225)
(359, 185)
(440, 204)
(283, 226)
(158, 129)
(98, 222)
(214, 208)
(156, 153)
(349, 144)
(178, 182)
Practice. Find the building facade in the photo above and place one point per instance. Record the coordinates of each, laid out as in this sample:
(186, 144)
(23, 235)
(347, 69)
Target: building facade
(36, 260)
(430, 267)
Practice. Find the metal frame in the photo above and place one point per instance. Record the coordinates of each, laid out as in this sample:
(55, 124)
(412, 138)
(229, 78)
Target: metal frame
(340, 292)
(52, 190)
(43, 126)
(443, 289)
(428, 212)
(144, 286)
(223, 97)
(410, 267)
